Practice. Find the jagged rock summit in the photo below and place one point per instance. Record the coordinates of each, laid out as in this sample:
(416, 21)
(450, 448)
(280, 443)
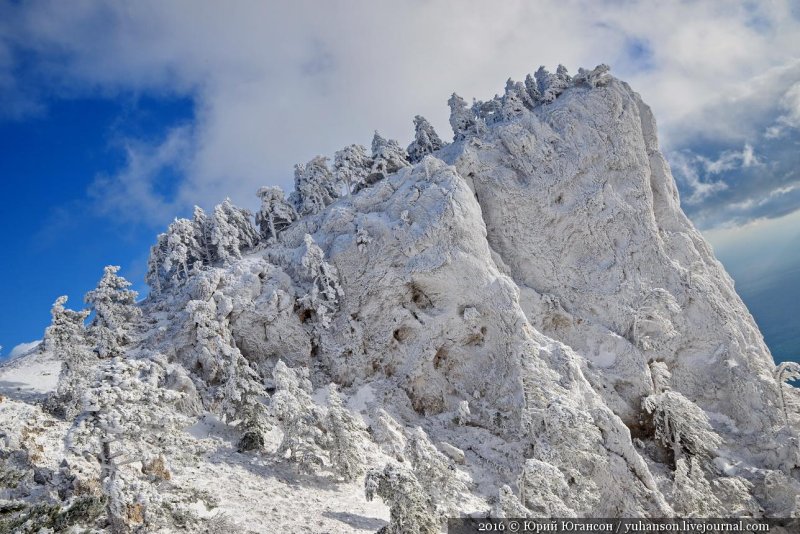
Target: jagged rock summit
(521, 322)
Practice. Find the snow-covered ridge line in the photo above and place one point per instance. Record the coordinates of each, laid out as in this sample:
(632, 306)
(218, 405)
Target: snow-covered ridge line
(521, 322)
(204, 240)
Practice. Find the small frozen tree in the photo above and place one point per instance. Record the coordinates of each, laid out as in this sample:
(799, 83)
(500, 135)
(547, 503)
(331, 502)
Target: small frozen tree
(661, 377)
(183, 250)
(125, 412)
(426, 140)
(66, 328)
(241, 395)
(596, 77)
(462, 119)
(231, 232)
(488, 112)
(653, 328)
(66, 339)
(237, 389)
(410, 508)
(346, 438)
(533, 88)
(515, 100)
(785, 372)
(681, 425)
(388, 157)
(323, 281)
(115, 312)
(388, 433)
(155, 264)
(298, 417)
(173, 256)
(563, 75)
(275, 215)
(211, 349)
(314, 187)
(202, 226)
(435, 471)
(552, 85)
(351, 166)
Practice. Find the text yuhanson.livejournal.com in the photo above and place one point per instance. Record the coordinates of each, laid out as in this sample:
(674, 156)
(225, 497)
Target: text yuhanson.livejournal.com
(623, 526)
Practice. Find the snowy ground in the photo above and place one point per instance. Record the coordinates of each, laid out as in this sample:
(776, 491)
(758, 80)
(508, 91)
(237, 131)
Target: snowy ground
(253, 493)
(29, 378)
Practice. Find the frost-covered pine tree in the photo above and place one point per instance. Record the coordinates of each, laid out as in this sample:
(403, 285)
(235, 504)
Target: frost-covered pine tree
(233, 389)
(183, 250)
(202, 225)
(596, 77)
(346, 438)
(155, 265)
(661, 376)
(462, 119)
(533, 89)
(275, 215)
(242, 394)
(298, 417)
(125, 412)
(785, 372)
(388, 433)
(681, 425)
(65, 338)
(174, 255)
(435, 471)
(410, 508)
(515, 100)
(388, 157)
(66, 328)
(488, 112)
(314, 186)
(211, 348)
(351, 167)
(231, 232)
(323, 282)
(552, 85)
(115, 312)
(426, 140)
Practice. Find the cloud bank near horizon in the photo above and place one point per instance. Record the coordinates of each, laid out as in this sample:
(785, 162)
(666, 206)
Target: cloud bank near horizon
(276, 84)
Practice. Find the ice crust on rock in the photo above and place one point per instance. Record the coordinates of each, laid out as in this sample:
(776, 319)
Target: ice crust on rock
(522, 321)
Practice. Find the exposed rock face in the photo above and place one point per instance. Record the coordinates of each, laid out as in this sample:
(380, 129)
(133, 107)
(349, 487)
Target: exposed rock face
(519, 294)
(581, 207)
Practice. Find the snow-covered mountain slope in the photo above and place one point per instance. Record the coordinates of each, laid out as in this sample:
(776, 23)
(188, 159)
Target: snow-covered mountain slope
(520, 323)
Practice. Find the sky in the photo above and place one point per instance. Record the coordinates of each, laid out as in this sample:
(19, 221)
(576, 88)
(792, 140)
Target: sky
(116, 117)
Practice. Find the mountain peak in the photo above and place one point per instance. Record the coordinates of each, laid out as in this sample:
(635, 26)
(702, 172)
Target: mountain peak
(520, 320)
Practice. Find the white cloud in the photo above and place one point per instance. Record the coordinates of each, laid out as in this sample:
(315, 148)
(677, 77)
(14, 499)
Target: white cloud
(790, 118)
(730, 160)
(22, 348)
(132, 192)
(684, 165)
(277, 83)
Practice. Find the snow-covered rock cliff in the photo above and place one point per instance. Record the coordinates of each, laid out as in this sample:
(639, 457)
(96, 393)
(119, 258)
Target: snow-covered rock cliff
(522, 322)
